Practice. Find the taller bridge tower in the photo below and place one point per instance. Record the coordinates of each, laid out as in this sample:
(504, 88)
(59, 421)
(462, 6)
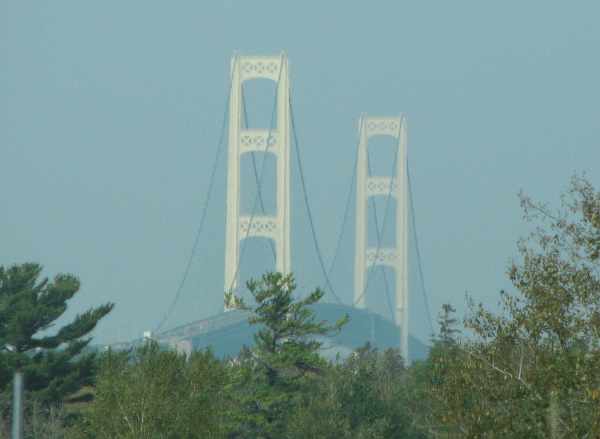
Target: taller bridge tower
(273, 140)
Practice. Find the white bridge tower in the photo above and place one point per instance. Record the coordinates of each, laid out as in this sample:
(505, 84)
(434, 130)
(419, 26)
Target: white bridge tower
(395, 186)
(273, 140)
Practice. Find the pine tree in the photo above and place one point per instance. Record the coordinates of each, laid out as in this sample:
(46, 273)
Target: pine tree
(448, 323)
(54, 365)
(285, 357)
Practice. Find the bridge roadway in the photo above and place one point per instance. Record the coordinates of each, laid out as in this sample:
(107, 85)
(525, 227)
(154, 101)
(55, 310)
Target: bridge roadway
(227, 332)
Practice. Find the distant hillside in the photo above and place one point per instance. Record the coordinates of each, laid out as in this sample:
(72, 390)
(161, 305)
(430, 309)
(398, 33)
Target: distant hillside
(227, 332)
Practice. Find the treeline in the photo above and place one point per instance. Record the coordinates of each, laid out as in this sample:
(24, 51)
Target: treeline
(530, 370)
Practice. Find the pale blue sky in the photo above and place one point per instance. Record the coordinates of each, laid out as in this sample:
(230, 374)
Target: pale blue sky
(110, 111)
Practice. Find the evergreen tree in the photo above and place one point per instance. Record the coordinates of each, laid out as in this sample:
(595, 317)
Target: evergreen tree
(53, 364)
(273, 375)
(369, 395)
(448, 323)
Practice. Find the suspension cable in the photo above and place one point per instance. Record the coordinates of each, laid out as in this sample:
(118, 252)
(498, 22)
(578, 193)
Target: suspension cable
(346, 213)
(207, 198)
(307, 205)
(419, 261)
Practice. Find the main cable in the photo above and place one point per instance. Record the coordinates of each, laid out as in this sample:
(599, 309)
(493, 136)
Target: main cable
(346, 213)
(419, 262)
(207, 198)
(307, 205)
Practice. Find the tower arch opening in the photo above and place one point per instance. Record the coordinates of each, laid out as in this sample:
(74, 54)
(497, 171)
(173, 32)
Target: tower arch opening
(382, 156)
(384, 221)
(259, 104)
(256, 259)
(258, 167)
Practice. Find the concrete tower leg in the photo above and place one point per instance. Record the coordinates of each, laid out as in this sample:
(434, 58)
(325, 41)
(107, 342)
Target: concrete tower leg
(402, 295)
(360, 265)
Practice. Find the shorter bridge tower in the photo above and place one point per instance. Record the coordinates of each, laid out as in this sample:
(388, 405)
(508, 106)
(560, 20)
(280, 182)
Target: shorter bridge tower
(367, 186)
(273, 140)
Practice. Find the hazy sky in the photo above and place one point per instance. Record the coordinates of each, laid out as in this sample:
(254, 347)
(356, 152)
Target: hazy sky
(110, 112)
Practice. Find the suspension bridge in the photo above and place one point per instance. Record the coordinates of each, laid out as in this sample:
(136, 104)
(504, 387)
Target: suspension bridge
(281, 140)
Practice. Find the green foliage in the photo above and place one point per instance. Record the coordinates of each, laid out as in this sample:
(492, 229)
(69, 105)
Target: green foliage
(448, 323)
(45, 422)
(272, 378)
(372, 392)
(152, 393)
(533, 370)
(40, 420)
(54, 365)
(368, 395)
(286, 342)
(285, 390)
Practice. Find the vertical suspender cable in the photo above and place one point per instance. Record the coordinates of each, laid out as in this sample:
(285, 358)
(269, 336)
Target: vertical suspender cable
(345, 216)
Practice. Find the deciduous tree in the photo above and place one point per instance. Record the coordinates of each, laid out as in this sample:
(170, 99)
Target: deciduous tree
(533, 370)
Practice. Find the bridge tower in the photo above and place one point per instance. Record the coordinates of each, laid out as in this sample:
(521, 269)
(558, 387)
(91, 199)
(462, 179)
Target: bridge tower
(273, 140)
(395, 186)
